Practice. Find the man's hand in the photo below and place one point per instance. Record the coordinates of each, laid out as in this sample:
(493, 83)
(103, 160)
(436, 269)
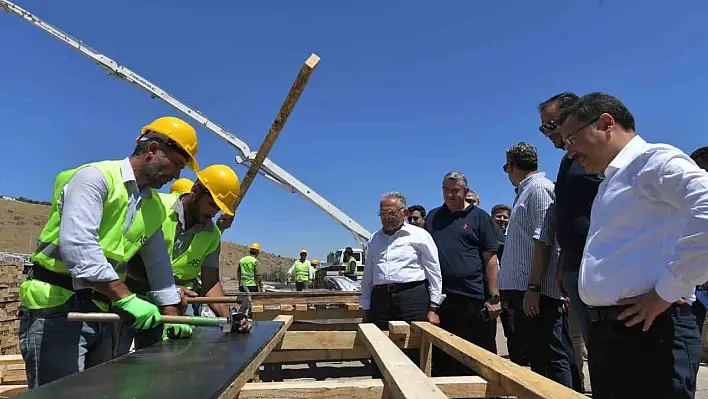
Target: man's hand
(494, 308)
(224, 222)
(146, 314)
(643, 308)
(185, 293)
(245, 325)
(531, 300)
(433, 318)
(176, 331)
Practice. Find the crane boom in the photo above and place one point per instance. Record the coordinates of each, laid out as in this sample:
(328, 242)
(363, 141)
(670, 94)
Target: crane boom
(270, 169)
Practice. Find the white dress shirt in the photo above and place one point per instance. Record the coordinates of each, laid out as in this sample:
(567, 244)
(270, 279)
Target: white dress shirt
(648, 227)
(81, 206)
(409, 255)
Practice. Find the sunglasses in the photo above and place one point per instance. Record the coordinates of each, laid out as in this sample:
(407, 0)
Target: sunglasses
(550, 126)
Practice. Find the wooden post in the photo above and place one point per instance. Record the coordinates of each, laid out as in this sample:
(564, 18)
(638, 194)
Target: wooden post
(278, 124)
(426, 355)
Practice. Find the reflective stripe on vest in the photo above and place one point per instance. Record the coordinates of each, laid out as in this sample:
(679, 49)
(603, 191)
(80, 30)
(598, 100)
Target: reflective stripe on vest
(302, 271)
(118, 245)
(188, 264)
(248, 265)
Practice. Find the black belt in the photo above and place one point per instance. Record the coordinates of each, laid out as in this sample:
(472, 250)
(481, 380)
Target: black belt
(610, 313)
(398, 287)
(64, 281)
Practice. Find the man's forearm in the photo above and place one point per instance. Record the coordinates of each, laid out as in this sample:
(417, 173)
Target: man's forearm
(539, 262)
(114, 290)
(491, 271)
(220, 309)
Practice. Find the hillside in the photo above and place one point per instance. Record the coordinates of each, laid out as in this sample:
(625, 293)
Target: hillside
(21, 223)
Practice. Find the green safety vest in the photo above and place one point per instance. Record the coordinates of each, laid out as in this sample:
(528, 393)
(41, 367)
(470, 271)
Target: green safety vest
(188, 265)
(118, 247)
(302, 271)
(351, 266)
(248, 265)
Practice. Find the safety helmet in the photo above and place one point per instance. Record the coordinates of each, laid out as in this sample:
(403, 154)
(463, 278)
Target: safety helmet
(256, 245)
(314, 262)
(179, 131)
(181, 186)
(223, 185)
(303, 251)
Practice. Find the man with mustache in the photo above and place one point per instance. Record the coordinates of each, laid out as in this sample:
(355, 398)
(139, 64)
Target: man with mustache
(102, 214)
(647, 249)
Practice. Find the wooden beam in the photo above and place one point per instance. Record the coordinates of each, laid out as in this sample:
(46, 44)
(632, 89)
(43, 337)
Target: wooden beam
(285, 110)
(318, 355)
(453, 387)
(401, 376)
(426, 355)
(514, 380)
(315, 314)
(304, 340)
(232, 390)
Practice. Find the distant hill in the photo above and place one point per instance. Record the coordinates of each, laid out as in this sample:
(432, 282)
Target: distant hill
(21, 222)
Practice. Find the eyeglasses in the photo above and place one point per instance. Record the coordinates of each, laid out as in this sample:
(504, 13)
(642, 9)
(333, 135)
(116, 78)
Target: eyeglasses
(550, 126)
(569, 140)
(389, 212)
(506, 167)
(414, 218)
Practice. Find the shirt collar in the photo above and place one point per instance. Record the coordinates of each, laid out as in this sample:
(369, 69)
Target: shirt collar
(629, 153)
(126, 170)
(527, 180)
(178, 208)
(405, 228)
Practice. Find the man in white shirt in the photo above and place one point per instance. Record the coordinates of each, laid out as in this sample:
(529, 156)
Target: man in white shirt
(402, 273)
(647, 249)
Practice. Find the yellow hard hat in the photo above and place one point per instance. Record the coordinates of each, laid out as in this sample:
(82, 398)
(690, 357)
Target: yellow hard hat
(314, 262)
(223, 184)
(256, 245)
(303, 251)
(181, 186)
(178, 131)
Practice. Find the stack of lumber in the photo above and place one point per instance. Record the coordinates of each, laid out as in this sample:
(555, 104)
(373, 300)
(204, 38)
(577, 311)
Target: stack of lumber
(13, 379)
(10, 279)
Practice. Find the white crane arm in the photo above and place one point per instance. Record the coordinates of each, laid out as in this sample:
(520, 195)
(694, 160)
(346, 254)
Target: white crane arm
(269, 169)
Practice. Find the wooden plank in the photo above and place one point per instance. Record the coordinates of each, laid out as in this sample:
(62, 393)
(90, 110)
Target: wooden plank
(301, 307)
(11, 359)
(317, 355)
(8, 391)
(286, 308)
(303, 340)
(426, 355)
(259, 309)
(403, 378)
(285, 110)
(310, 314)
(399, 328)
(287, 298)
(453, 387)
(14, 374)
(509, 377)
(232, 390)
(353, 306)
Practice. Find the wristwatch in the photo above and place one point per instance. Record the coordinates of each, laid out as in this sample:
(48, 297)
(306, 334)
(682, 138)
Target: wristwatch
(534, 288)
(494, 299)
(433, 307)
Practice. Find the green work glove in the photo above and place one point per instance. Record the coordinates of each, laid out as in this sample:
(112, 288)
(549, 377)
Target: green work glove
(145, 313)
(176, 331)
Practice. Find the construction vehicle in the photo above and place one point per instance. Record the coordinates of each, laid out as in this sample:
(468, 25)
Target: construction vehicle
(335, 260)
(246, 157)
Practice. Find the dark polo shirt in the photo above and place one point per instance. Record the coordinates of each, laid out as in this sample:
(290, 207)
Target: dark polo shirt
(462, 237)
(575, 191)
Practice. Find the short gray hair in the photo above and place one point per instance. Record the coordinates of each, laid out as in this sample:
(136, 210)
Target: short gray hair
(457, 176)
(398, 195)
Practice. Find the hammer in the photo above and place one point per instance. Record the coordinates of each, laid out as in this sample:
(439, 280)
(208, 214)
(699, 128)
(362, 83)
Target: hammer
(227, 324)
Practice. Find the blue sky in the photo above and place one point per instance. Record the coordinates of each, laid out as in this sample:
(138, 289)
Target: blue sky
(405, 92)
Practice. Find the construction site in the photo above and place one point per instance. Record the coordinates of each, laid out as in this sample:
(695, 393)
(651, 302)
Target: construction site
(314, 343)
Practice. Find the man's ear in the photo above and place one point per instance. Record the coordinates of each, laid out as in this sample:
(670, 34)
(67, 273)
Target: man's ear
(152, 149)
(406, 213)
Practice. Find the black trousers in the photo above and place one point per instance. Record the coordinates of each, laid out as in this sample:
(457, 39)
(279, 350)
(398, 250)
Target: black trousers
(462, 316)
(545, 338)
(299, 286)
(513, 341)
(398, 302)
(626, 362)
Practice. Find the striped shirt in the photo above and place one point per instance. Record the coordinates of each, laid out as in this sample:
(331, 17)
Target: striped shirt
(532, 218)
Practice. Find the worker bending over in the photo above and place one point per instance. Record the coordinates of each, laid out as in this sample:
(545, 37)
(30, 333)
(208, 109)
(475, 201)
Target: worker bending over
(249, 277)
(349, 263)
(194, 245)
(300, 271)
(102, 214)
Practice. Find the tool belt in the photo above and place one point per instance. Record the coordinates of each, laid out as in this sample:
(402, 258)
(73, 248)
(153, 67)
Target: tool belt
(64, 281)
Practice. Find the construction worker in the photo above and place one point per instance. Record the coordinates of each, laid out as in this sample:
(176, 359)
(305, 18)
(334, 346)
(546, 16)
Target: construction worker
(181, 186)
(194, 244)
(102, 214)
(248, 273)
(300, 271)
(350, 264)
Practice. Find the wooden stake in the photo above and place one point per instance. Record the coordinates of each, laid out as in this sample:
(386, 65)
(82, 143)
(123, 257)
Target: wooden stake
(285, 110)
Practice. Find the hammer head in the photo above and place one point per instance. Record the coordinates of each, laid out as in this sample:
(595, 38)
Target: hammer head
(234, 321)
